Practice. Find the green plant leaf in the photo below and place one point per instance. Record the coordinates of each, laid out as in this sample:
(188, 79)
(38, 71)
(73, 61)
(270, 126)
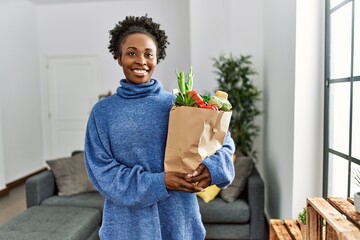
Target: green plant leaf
(302, 216)
(234, 77)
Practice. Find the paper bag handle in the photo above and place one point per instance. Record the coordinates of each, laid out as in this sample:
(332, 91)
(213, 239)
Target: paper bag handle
(218, 119)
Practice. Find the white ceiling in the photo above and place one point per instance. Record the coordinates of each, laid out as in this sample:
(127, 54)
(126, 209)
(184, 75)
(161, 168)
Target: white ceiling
(43, 2)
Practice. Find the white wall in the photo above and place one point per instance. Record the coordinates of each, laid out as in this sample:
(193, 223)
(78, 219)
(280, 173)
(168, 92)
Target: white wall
(175, 20)
(19, 88)
(2, 167)
(229, 26)
(2, 61)
(279, 72)
(309, 89)
(293, 73)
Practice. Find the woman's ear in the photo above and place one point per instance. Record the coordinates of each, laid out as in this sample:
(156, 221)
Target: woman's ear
(119, 61)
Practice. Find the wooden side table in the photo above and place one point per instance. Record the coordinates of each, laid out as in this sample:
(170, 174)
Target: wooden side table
(341, 219)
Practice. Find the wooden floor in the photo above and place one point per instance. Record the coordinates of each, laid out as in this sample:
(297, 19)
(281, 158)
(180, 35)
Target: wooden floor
(12, 204)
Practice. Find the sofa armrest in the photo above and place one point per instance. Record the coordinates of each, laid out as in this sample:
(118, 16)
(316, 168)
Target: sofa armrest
(40, 187)
(255, 193)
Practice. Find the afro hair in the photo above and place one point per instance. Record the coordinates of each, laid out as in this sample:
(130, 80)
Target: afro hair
(132, 24)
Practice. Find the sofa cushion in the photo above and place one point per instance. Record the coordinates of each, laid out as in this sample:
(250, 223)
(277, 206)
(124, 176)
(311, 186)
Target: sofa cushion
(219, 211)
(70, 175)
(227, 231)
(209, 194)
(52, 222)
(87, 199)
(243, 168)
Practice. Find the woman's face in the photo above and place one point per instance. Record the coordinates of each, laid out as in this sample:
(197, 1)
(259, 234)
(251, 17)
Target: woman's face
(138, 58)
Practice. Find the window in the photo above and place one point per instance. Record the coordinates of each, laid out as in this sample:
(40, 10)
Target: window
(342, 98)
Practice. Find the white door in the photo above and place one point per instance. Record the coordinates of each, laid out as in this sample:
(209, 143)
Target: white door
(72, 90)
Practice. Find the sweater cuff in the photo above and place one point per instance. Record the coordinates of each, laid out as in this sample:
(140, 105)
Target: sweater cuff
(215, 178)
(159, 184)
(221, 175)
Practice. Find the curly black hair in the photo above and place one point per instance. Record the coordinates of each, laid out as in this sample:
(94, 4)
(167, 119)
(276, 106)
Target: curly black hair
(132, 24)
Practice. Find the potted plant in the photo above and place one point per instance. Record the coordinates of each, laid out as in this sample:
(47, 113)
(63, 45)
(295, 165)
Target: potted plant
(234, 77)
(356, 175)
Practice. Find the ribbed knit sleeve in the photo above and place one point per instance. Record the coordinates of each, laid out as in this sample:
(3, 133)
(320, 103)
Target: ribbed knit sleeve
(220, 165)
(121, 184)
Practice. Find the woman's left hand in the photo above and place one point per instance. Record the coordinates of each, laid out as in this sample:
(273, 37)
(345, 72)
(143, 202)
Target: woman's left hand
(201, 176)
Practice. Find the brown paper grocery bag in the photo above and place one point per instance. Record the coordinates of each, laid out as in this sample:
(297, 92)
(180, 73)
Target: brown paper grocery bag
(193, 134)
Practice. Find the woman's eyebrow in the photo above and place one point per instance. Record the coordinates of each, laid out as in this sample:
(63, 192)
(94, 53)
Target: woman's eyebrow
(146, 49)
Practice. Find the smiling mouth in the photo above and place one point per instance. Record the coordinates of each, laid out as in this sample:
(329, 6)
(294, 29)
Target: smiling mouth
(140, 72)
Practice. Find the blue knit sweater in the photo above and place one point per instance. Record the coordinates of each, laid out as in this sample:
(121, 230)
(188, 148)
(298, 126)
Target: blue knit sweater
(124, 156)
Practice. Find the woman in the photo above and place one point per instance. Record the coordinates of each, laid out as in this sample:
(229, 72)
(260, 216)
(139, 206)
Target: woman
(125, 146)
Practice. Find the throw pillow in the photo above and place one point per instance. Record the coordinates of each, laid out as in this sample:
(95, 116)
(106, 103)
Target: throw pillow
(209, 194)
(70, 175)
(243, 168)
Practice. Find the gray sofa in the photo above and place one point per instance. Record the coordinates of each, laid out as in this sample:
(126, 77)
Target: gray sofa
(53, 222)
(241, 219)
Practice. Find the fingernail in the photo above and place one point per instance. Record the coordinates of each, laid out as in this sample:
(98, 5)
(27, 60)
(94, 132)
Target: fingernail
(202, 190)
(189, 175)
(195, 173)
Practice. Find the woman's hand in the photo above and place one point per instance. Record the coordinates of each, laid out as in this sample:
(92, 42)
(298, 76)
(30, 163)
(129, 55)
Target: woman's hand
(201, 176)
(175, 181)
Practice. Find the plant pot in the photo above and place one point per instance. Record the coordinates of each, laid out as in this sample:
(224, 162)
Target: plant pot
(357, 201)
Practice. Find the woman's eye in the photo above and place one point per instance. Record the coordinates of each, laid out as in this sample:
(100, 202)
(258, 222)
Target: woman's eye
(149, 55)
(131, 53)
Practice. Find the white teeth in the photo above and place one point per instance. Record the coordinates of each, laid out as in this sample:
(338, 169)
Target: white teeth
(140, 72)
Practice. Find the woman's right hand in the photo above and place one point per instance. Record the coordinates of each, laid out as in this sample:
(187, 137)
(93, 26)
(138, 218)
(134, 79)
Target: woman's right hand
(175, 181)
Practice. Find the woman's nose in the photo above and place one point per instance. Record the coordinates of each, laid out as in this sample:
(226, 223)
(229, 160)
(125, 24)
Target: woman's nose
(141, 60)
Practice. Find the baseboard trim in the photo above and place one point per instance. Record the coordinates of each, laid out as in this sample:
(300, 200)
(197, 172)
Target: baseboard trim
(19, 181)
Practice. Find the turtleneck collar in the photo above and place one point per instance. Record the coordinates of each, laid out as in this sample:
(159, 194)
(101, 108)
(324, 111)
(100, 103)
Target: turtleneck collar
(127, 90)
